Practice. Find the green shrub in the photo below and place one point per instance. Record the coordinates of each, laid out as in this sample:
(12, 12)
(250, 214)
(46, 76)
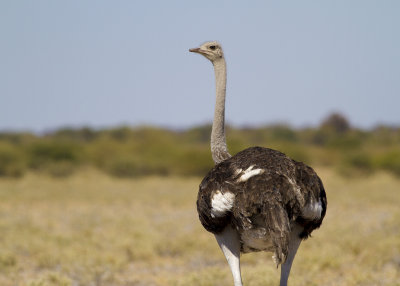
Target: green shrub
(193, 162)
(391, 162)
(130, 166)
(360, 163)
(12, 163)
(125, 167)
(84, 134)
(283, 133)
(44, 152)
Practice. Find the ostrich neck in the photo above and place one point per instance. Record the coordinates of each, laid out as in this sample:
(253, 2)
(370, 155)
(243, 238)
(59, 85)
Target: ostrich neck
(219, 149)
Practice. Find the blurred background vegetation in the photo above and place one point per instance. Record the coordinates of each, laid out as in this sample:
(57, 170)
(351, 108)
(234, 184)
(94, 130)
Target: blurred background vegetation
(141, 151)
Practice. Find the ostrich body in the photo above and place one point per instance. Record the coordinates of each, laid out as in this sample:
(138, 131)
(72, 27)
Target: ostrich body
(258, 199)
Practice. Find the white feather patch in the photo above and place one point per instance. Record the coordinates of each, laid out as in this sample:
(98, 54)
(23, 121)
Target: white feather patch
(312, 210)
(248, 173)
(221, 203)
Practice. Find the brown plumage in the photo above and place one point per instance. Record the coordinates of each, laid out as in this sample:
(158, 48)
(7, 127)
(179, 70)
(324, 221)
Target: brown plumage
(272, 200)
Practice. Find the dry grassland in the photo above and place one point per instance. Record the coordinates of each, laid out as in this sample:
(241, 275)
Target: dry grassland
(91, 229)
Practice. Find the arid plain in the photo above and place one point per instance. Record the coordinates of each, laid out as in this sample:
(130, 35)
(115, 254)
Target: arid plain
(92, 229)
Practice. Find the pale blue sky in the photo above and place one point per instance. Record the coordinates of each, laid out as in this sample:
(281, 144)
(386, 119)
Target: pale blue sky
(106, 63)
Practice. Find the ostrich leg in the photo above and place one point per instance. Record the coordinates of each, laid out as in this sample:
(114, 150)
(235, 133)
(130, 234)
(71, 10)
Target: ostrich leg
(294, 244)
(229, 242)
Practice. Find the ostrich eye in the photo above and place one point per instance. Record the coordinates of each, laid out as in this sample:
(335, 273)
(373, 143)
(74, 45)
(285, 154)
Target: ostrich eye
(212, 48)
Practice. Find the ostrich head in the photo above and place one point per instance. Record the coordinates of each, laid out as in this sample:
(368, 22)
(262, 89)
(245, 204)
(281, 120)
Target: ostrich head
(211, 50)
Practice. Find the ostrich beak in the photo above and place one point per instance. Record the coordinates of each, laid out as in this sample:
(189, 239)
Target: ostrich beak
(195, 50)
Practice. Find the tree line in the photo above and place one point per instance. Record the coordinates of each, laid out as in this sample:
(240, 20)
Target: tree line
(131, 152)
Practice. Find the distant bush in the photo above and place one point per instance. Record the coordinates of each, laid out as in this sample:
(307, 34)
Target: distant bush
(283, 133)
(390, 161)
(55, 157)
(359, 162)
(41, 153)
(12, 162)
(129, 166)
(336, 123)
(125, 167)
(193, 162)
(84, 134)
(199, 134)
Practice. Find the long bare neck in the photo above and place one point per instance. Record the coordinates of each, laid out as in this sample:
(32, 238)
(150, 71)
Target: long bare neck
(219, 149)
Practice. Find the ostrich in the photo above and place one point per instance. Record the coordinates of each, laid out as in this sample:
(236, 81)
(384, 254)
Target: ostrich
(258, 199)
